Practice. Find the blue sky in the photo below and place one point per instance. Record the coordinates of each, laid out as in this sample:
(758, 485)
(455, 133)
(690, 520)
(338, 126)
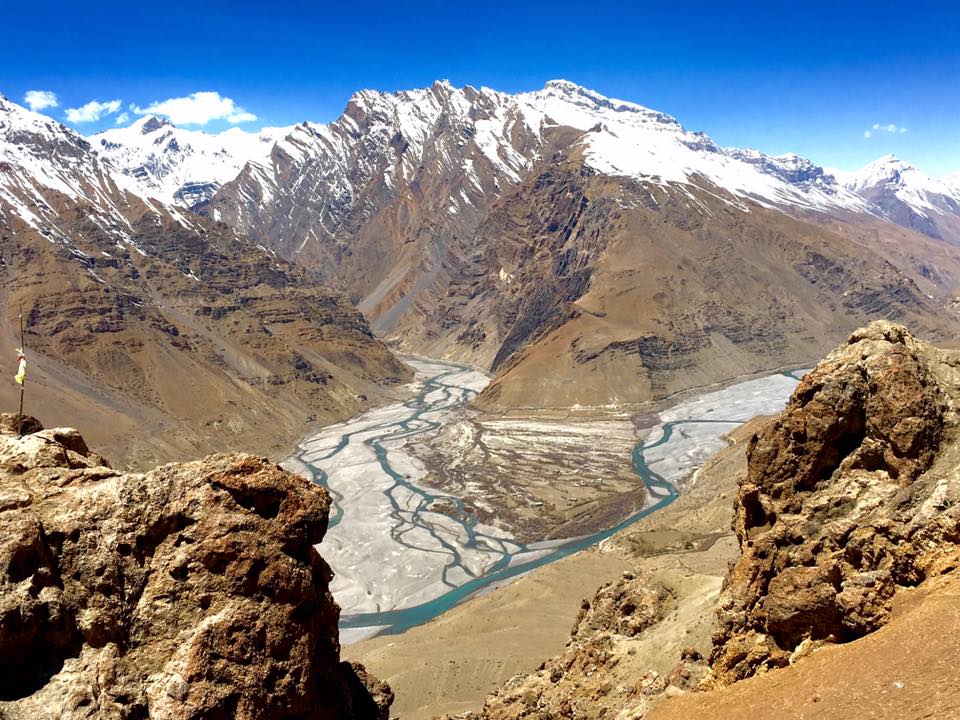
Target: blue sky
(808, 77)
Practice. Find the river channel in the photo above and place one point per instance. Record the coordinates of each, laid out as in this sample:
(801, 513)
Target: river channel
(403, 553)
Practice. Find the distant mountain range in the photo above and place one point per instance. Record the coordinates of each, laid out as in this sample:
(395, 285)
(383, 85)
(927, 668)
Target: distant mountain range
(587, 250)
(621, 138)
(178, 166)
(903, 194)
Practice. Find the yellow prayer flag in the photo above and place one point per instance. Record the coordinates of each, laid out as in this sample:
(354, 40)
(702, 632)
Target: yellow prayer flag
(22, 371)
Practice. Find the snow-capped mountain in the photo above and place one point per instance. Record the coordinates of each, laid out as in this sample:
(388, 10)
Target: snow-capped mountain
(127, 301)
(182, 166)
(43, 165)
(483, 225)
(587, 249)
(53, 183)
(464, 147)
(907, 196)
(477, 143)
(625, 139)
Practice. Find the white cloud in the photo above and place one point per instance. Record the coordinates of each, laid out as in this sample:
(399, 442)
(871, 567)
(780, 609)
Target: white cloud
(198, 108)
(892, 128)
(40, 99)
(92, 111)
(122, 118)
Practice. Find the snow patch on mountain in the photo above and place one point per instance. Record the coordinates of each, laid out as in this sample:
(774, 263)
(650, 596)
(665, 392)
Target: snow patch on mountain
(623, 138)
(179, 166)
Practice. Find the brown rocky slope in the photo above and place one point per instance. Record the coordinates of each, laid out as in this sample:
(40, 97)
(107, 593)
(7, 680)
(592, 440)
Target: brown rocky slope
(622, 294)
(191, 591)
(464, 231)
(849, 528)
(165, 334)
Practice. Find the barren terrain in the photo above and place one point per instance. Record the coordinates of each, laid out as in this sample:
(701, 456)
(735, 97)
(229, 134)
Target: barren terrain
(482, 643)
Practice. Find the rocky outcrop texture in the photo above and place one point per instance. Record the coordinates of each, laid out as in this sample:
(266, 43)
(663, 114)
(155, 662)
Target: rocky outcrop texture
(595, 676)
(850, 493)
(192, 591)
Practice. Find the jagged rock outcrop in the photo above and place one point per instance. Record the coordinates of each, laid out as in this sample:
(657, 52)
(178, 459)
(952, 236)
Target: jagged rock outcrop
(585, 680)
(191, 591)
(851, 493)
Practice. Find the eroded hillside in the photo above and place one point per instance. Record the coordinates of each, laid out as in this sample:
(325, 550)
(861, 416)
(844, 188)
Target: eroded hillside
(163, 332)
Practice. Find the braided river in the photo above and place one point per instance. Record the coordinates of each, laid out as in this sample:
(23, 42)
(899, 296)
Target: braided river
(403, 553)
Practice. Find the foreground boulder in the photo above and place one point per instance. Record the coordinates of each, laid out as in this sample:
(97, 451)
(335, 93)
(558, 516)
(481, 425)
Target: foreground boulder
(192, 591)
(851, 493)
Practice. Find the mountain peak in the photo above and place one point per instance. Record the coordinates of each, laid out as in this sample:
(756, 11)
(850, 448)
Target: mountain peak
(885, 167)
(9, 107)
(890, 159)
(174, 164)
(16, 118)
(567, 86)
(894, 183)
(151, 123)
(572, 94)
(890, 164)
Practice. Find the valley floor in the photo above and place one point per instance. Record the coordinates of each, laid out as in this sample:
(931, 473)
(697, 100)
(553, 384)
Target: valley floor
(449, 664)
(431, 498)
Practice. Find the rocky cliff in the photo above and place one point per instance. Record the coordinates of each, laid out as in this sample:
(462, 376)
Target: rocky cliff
(848, 521)
(851, 493)
(594, 677)
(191, 591)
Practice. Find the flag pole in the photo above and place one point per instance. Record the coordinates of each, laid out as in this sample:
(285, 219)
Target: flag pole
(23, 349)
